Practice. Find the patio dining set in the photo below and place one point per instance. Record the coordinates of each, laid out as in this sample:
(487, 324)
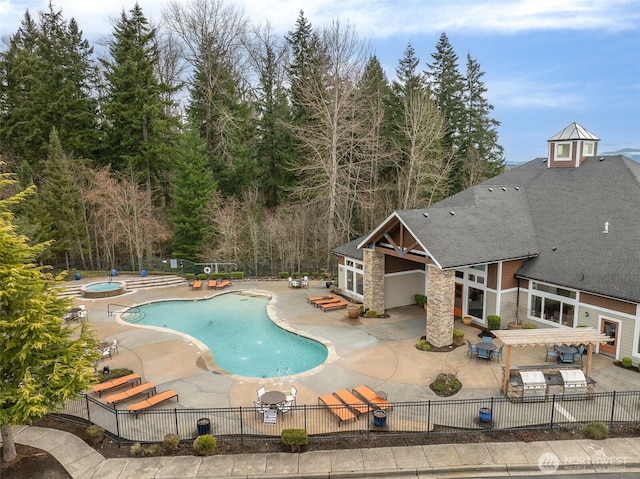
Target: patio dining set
(272, 403)
(565, 354)
(485, 349)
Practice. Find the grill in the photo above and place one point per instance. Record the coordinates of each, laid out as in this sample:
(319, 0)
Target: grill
(534, 386)
(575, 383)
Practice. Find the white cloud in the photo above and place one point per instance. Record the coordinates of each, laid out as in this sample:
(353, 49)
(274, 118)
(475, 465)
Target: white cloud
(523, 93)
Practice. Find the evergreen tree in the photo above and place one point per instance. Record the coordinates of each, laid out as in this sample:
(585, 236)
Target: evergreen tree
(193, 186)
(447, 86)
(480, 138)
(43, 363)
(47, 78)
(138, 132)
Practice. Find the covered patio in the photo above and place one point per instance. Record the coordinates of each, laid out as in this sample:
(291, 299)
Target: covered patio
(548, 337)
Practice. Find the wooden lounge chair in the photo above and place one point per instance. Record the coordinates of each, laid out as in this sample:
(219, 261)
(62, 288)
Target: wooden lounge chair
(211, 284)
(372, 397)
(197, 284)
(337, 408)
(338, 305)
(114, 383)
(223, 284)
(153, 400)
(313, 299)
(327, 301)
(357, 405)
(147, 388)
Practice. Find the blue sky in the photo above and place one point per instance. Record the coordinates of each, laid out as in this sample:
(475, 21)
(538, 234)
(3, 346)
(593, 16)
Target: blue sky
(547, 63)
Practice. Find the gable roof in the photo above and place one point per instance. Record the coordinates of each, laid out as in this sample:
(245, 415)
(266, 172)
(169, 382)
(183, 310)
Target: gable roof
(555, 217)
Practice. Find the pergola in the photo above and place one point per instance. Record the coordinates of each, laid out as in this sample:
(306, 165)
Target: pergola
(548, 337)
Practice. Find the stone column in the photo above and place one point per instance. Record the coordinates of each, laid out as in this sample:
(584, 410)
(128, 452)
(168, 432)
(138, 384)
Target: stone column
(373, 284)
(441, 288)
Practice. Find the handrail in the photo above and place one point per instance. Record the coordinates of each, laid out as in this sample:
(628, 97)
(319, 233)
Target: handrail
(134, 309)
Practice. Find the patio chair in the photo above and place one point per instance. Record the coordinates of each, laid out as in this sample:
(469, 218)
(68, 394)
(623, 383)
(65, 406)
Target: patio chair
(483, 354)
(260, 391)
(212, 284)
(337, 408)
(356, 405)
(122, 380)
(146, 388)
(291, 397)
(487, 339)
(305, 282)
(223, 284)
(551, 353)
(284, 407)
(197, 284)
(580, 353)
(471, 349)
(260, 408)
(330, 306)
(372, 397)
(152, 401)
(114, 346)
(497, 353)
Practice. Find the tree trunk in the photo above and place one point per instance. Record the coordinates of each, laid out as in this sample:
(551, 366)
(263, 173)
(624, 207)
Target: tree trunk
(8, 444)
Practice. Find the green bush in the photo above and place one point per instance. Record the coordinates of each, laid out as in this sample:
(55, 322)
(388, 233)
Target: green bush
(202, 276)
(596, 430)
(136, 449)
(154, 450)
(627, 362)
(237, 275)
(423, 345)
(96, 433)
(204, 445)
(189, 276)
(493, 322)
(421, 299)
(171, 442)
(304, 274)
(294, 439)
(371, 314)
(530, 326)
(283, 274)
(458, 337)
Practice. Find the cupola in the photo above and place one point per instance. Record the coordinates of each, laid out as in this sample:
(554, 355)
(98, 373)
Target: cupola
(569, 147)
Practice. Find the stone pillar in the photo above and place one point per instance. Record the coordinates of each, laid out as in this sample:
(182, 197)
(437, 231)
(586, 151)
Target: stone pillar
(373, 285)
(440, 300)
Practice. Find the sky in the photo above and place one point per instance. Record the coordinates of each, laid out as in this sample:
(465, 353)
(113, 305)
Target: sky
(546, 63)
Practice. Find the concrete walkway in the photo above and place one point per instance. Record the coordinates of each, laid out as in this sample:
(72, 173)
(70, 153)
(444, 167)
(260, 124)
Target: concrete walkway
(377, 352)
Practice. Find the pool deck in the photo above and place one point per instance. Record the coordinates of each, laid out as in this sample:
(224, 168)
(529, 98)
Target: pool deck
(373, 351)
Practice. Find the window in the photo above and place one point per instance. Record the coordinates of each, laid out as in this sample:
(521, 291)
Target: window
(588, 149)
(553, 304)
(353, 277)
(563, 151)
(473, 279)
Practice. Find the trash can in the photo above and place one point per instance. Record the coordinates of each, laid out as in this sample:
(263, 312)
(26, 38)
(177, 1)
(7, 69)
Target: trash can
(379, 418)
(114, 272)
(204, 426)
(485, 414)
(78, 276)
(105, 370)
(143, 273)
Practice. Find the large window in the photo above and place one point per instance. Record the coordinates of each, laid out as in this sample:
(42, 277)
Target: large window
(474, 281)
(563, 151)
(553, 304)
(353, 278)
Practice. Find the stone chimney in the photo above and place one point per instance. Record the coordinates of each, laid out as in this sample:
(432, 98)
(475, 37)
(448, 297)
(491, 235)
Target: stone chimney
(569, 148)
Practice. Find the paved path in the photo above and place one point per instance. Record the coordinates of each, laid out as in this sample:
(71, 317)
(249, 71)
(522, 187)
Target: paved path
(377, 352)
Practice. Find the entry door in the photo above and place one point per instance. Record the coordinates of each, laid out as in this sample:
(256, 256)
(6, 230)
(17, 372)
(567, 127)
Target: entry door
(611, 329)
(457, 303)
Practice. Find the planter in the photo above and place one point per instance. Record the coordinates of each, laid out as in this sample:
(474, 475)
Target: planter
(353, 312)
(514, 325)
(484, 414)
(466, 320)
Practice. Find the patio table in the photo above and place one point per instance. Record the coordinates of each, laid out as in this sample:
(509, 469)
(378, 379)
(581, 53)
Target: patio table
(273, 398)
(565, 353)
(488, 347)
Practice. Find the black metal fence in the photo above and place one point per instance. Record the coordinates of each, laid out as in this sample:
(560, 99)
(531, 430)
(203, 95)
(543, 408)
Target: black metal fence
(404, 418)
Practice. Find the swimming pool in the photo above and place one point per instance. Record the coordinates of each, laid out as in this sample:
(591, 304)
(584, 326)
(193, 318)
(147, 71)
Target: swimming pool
(238, 331)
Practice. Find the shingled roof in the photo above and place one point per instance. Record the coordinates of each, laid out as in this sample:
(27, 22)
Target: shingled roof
(555, 217)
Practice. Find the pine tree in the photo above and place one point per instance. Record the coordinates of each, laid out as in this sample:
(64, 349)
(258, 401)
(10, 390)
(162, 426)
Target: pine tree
(47, 80)
(43, 363)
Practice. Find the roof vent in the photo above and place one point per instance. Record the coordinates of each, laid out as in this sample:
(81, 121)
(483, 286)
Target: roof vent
(504, 189)
(517, 188)
(602, 158)
(425, 214)
(491, 189)
(606, 227)
(452, 213)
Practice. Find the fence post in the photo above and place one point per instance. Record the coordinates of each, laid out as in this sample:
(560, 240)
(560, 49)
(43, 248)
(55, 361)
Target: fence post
(305, 416)
(493, 415)
(369, 426)
(86, 400)
(553, 408)
(115, 411)
(241, 427)
(175, 415)
(613, 408)
(428, 416)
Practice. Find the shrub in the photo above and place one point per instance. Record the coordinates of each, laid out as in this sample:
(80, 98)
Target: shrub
(446, 384)
(189, 276)
(204, 445)
(458, 337)
(371, 314)
(596, 430)
(96, 433)
(424, 345)
(421, 299)
(171, 442)
(303, 274)
(530, 326)
(627, 362)
(237, 275)
(283, 274)
(153, 450)
(136, 449)
(202, 276)
(294, 439)
(493, 322)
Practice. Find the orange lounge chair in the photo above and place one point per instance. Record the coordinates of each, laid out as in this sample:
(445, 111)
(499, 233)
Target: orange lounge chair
(153, 400)
(197, 284)
(327, 301)
(223, 284)
(355, 404)
(338, 305)
(313, 299)
(211, 284)
(372, 397)
(114, 383)
(129, 393)
(337, 408)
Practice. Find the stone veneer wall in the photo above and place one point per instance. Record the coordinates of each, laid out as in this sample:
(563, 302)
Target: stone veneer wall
(441, 287)
(373, 286)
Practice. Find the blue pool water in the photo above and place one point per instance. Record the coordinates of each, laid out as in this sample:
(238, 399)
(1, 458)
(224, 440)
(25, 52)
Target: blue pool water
(99, 287)
(239, 333)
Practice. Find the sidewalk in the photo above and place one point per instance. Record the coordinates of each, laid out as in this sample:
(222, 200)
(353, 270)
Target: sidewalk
(447, 460)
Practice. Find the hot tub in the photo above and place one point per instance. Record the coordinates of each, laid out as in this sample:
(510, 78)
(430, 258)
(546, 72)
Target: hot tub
(104, 289)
